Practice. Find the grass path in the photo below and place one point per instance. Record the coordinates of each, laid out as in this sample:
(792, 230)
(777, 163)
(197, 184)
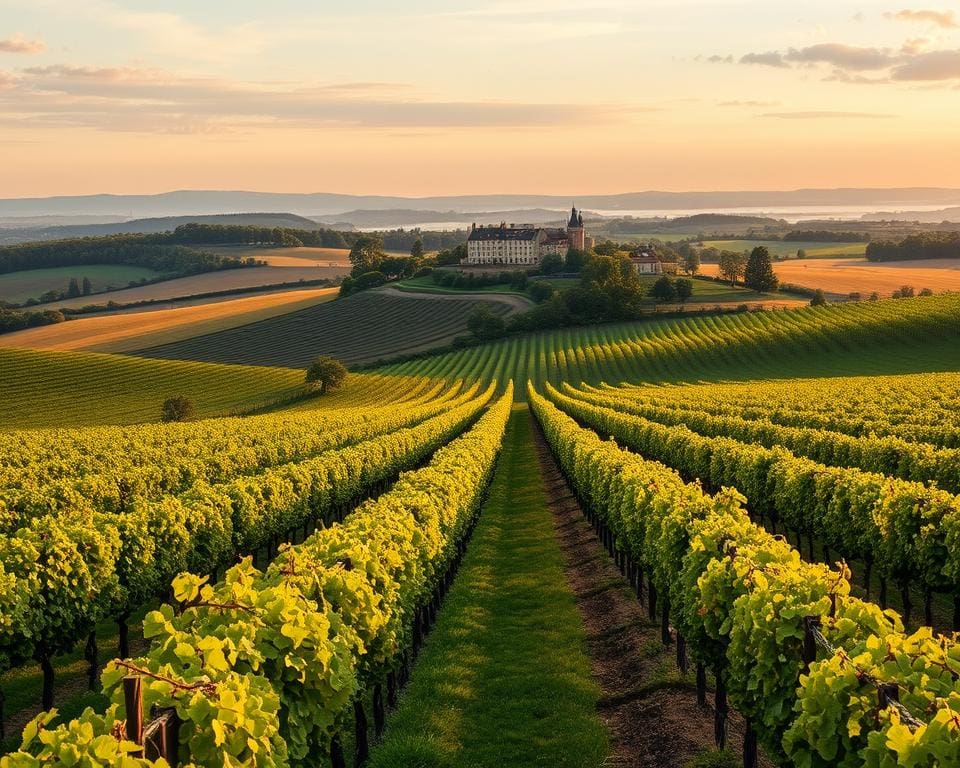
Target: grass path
(503, 679)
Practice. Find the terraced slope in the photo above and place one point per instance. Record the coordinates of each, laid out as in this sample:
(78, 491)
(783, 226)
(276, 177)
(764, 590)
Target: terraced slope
(871, 338)
(361, 329)
(59, 389)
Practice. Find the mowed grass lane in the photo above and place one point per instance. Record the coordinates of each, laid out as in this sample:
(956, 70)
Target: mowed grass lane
(503, 679)
(360, 329)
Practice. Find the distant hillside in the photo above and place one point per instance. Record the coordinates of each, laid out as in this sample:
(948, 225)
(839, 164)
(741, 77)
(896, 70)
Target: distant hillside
(200, 202)
(153, 226)
(924, 217)
(407, 217)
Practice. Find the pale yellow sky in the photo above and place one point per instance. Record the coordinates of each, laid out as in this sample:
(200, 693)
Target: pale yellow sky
(419, 98)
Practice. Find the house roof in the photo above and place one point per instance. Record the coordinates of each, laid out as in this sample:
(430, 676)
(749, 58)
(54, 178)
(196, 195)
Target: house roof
(645, 258)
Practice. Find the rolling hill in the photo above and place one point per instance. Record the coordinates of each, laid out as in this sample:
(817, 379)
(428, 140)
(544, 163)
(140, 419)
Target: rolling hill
(361, 329)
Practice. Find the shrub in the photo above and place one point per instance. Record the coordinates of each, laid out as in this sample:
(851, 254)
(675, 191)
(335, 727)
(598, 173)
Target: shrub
(178, 408)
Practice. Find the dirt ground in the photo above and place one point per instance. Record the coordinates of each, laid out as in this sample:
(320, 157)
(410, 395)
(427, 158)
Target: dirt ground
(649, 707)
(844, 276)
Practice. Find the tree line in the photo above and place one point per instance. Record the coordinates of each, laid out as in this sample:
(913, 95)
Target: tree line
(131, 250)
(923, 245)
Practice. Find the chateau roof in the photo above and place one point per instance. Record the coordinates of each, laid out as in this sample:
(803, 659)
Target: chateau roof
(503, 232)
(575, 220)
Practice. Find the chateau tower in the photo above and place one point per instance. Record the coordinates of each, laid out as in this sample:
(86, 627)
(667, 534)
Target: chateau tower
(575, 229)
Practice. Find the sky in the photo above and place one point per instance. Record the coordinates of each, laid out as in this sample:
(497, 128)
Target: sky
(430, 97)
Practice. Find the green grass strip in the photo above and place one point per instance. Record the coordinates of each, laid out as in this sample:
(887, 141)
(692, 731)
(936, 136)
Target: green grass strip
(504, 679)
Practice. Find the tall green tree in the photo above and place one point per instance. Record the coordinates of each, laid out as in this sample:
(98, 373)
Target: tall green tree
(551, 264)
(416, 250)
(691, 260)
(759, 274)
(87, 288)
(367, 254)
(664, 290)
(73, 290)
(684, 288)
(732, 265)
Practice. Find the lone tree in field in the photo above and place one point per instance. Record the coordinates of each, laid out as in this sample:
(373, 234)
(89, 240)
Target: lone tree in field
(664, 290)
(326, 373)
(179, 408)
(87, 286)
(819, 298)
(759, 274)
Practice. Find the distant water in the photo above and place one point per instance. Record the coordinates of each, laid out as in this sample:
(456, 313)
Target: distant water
(792, 214)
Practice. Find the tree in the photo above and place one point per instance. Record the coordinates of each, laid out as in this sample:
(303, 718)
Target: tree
(819, 298)
(759, 274)
(367, 254)
(87, 286)
(485, 325)
(178, 408)
(684, 288)
(551, 264)
(73, 289)
(452, 256)
(732, 265)
(664, 290)
(606, 248)
(540, 291)
(691, 261)
(801, 254)
(416, 250)
(575, 260)
(326, 373)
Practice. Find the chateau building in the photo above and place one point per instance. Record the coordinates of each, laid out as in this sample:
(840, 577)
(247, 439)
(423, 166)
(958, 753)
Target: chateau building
(525, 245)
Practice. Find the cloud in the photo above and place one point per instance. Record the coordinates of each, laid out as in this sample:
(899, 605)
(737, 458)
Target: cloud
(911, 63)
(934, 65)
(20, 45)
(942, 19)
(848, 57)
(827, 115)
(145, 100)
(769, 59)
(747, 103)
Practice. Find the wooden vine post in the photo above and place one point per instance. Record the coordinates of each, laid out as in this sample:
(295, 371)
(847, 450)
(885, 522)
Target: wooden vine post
(158, 738)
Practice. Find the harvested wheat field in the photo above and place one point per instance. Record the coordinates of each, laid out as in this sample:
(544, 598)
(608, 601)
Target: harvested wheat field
(124, 331)
(208, 282)
(844, 276)
(288, 257)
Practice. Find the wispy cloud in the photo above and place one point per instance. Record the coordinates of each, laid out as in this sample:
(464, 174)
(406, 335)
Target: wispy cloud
(942, 19)
(747, 103)
(848, 63)
(768, 59)
(935, 65)
(827, 115)
(145, 100)
(21, 45)
(848, 57)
